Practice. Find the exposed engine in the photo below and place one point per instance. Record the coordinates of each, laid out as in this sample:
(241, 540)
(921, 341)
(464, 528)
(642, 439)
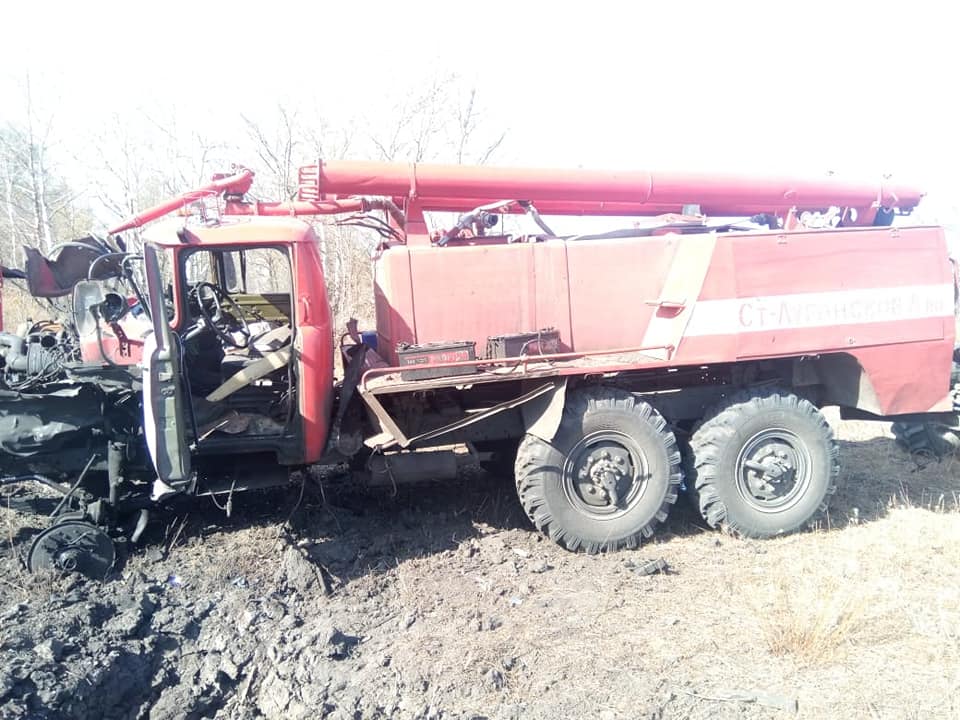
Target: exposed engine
(37, 357)
(55, 411)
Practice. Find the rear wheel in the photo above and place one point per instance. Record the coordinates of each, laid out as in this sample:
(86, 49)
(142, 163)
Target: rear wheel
(763, 464)
(932, 439)
(608, 477)
(926, 439)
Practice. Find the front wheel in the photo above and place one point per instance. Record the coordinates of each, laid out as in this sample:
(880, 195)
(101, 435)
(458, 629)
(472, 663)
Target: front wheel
(764, 463)
(608, 477)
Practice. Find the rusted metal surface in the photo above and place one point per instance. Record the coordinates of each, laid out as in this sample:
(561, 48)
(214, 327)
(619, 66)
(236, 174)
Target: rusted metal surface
(542, 416)
(391, 433)
(389, 379)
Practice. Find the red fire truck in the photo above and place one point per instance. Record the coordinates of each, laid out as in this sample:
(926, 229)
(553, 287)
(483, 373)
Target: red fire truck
(691, 347)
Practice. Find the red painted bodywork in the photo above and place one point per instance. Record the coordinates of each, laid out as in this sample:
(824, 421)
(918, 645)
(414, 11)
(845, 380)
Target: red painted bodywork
(882, 297)
(128, 351)
(236, 184)
(603, 294)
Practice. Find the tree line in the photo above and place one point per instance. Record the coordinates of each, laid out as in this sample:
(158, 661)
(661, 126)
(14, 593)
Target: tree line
(57, 186)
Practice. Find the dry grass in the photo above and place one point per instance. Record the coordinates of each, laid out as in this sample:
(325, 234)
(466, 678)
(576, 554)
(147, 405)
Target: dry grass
(810, 624)
(17, 580)
(838, 593)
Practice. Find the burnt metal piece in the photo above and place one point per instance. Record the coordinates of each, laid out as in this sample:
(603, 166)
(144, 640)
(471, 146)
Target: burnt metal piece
(56, 277)
(73, 546)
(142, 519)
(12, 273)
(346, 433)
(651, 567)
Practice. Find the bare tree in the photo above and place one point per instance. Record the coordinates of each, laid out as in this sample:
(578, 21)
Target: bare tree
(183, 156)
(291, 136)
(27, 174)
(117, 167)
(443, 121)
(11, 247)
(136, 158)
(39, 206)
(416, 122)
(278, 153)
(468, 123)
(36, 164)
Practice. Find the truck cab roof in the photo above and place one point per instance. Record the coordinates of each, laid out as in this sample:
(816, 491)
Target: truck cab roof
(231, 231)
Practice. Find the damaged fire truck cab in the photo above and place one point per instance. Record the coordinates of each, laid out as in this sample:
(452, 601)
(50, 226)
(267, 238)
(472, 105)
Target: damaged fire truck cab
(240, 360)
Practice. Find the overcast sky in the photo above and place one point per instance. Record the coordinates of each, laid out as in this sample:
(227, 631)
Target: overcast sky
(853, 87)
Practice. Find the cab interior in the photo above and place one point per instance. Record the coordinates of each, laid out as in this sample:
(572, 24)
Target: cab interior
(235, 324)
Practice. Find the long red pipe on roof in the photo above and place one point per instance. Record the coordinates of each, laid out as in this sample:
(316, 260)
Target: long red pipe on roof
(640, 191)
(324, 189)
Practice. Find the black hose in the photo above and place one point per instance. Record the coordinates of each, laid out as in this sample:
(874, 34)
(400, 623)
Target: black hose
(534, 213)
(128, 274)
(97, 260)
(186, 382)
(103, 353)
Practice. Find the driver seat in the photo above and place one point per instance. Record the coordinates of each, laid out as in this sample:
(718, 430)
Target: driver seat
(270, 341)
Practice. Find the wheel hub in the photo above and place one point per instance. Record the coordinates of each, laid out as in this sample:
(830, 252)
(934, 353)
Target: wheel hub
(770, 471)
(773, 469)
(603, 476)
(68, 560)
(73, 546)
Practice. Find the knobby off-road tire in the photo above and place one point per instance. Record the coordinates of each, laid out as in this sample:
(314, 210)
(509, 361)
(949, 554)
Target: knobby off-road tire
(932, 439)
(926, 439)
(608, 477)
(762, 463)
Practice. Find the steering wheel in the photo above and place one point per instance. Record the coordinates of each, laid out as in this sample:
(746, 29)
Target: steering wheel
(212, 299)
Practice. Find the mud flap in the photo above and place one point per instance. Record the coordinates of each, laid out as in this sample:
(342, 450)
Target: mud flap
(346, 435)
(541, 416)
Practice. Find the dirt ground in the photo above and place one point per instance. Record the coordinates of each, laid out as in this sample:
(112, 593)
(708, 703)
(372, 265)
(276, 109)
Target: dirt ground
(442, 602)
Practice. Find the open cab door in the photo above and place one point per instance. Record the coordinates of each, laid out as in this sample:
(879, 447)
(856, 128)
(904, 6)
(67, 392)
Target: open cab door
(164, 411)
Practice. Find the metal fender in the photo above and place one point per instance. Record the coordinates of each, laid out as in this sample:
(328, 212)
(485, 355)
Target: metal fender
(541, 415)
